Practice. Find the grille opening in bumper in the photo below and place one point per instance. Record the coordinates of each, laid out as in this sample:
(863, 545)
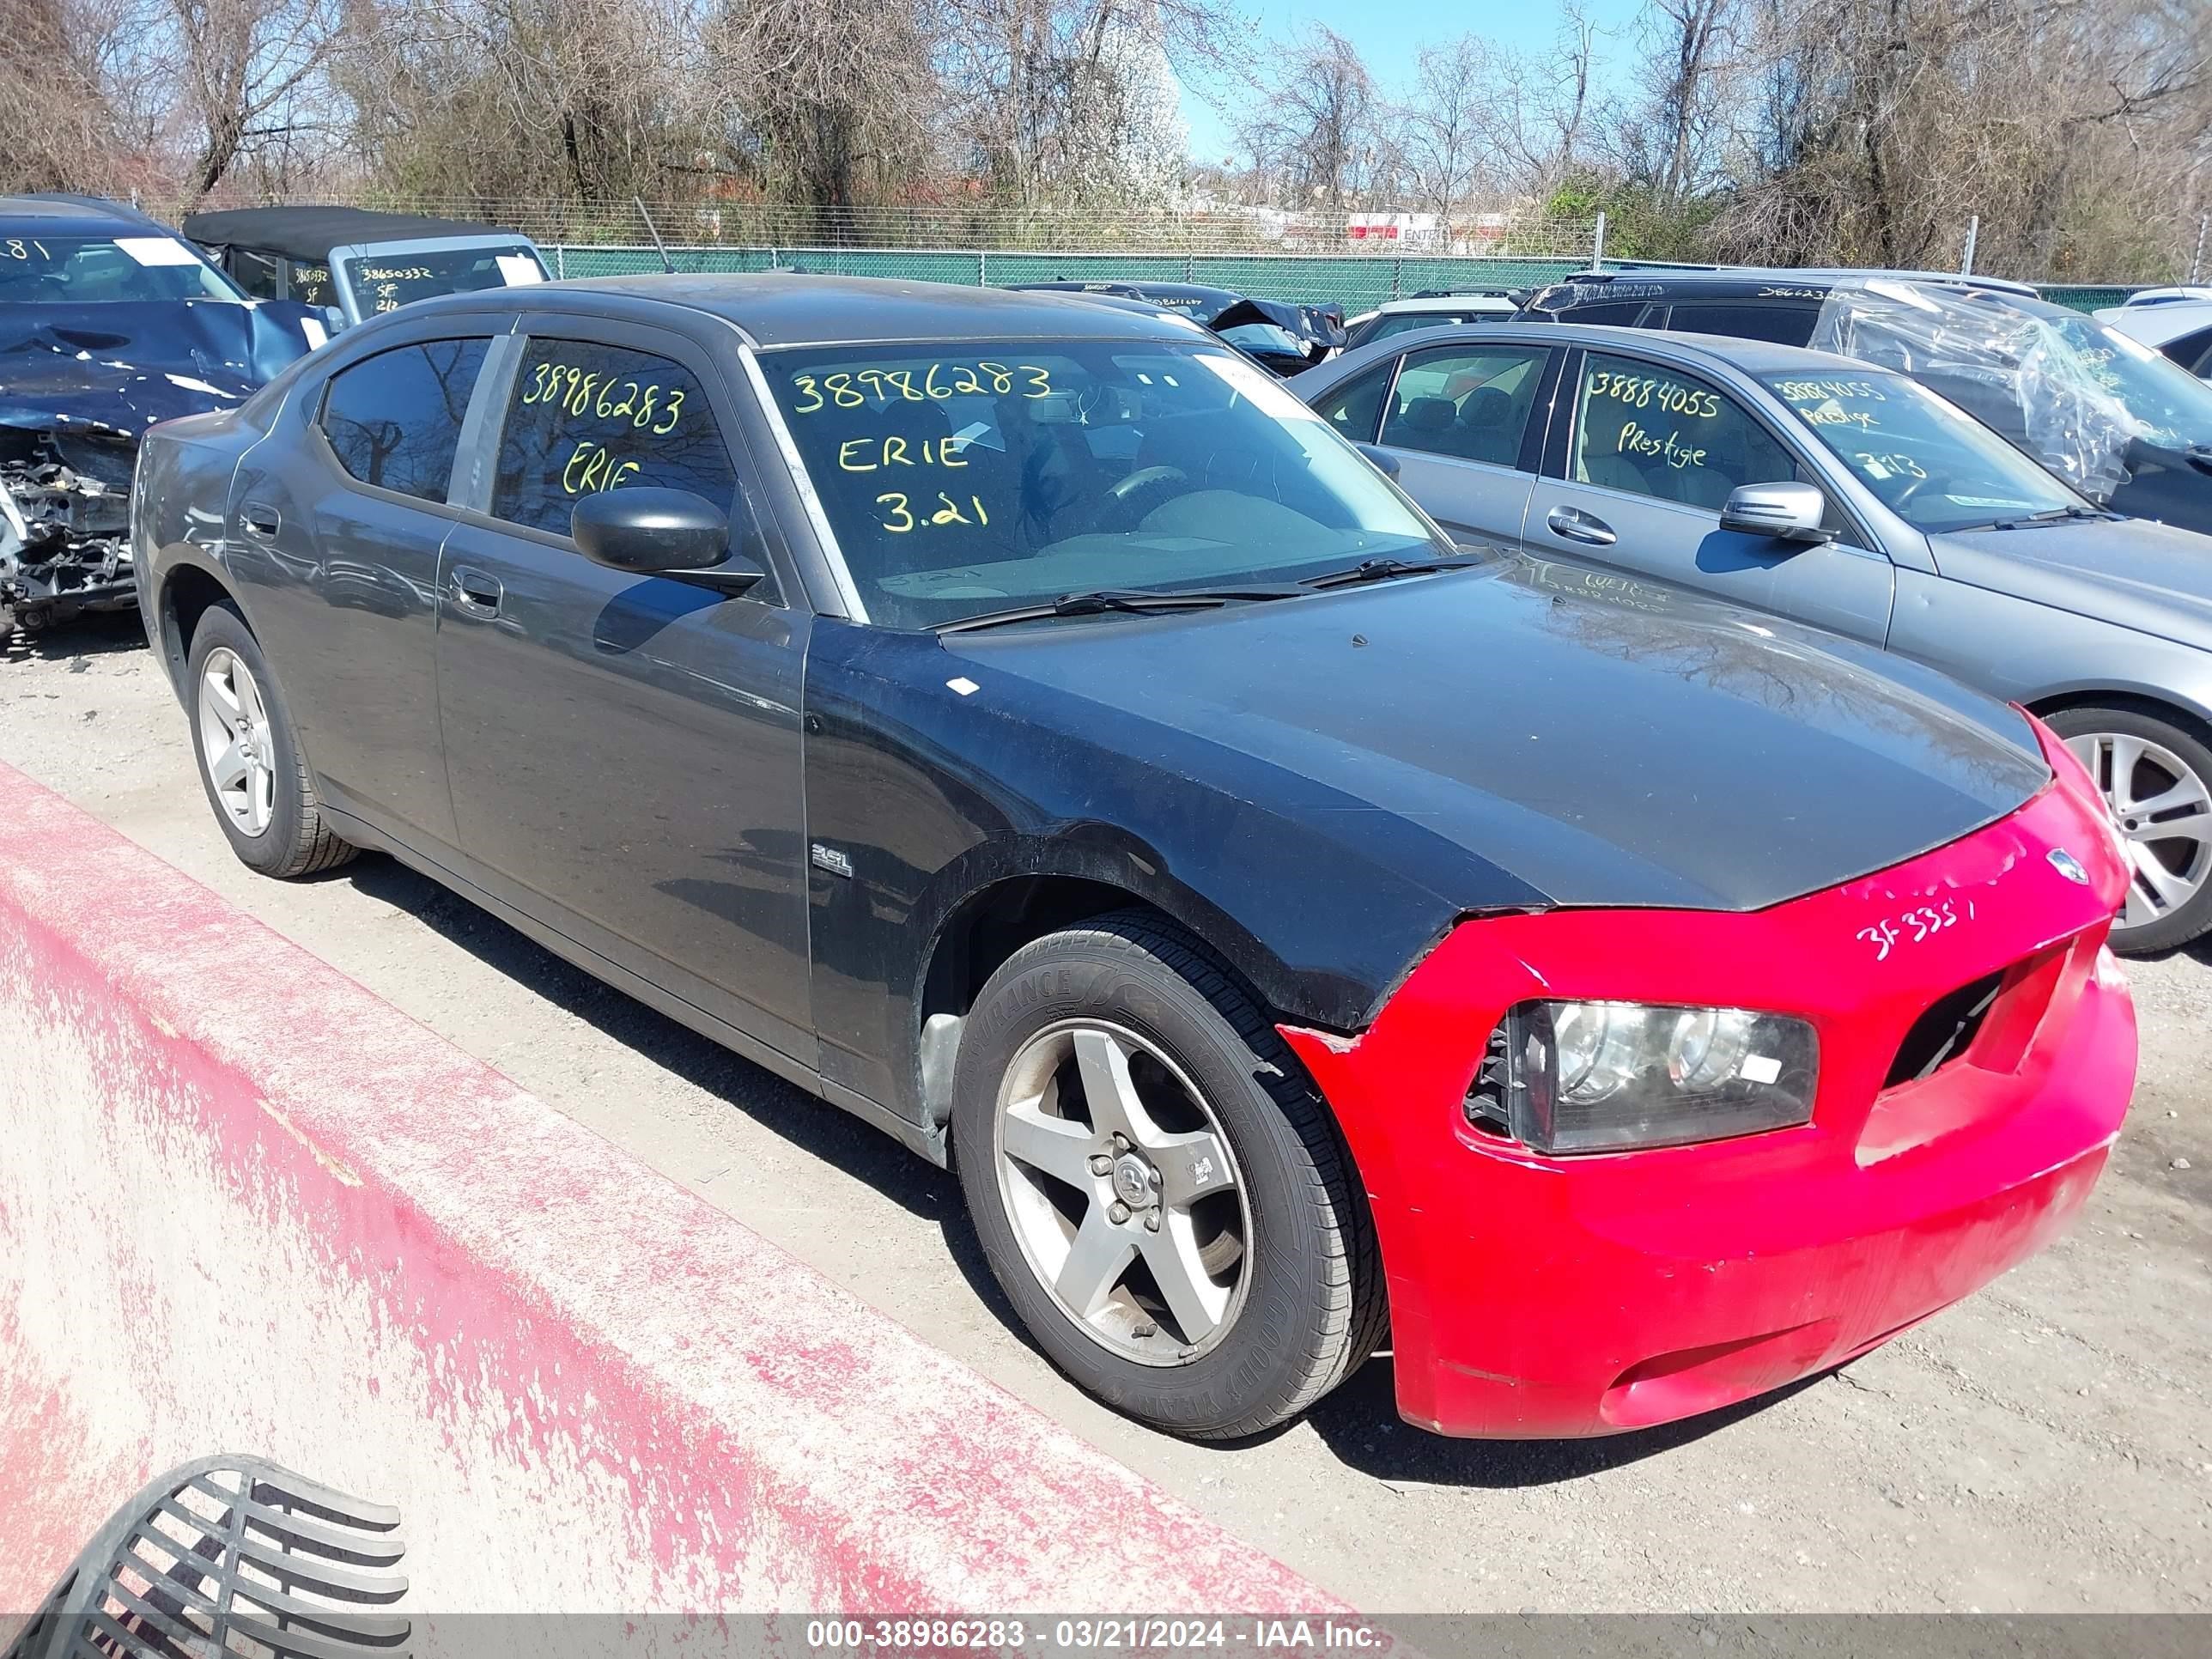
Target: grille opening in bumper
(1945, 1032)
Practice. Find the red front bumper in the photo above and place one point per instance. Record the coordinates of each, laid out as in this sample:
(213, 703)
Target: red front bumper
(1533, 1296)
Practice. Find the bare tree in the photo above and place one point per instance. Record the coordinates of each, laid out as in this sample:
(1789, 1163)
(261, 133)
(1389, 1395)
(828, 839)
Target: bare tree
(245, 65)
(1693, 50)
(71, 102)
(1316, 128)
(1056, 98)
(832, 106)
(1543, 104)
(2072, 128)
(1447, 131)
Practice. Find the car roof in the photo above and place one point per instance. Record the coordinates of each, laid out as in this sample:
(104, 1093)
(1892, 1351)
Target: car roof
(310, 233)
(785, 308)
(1752, 357)
(1499, 301)
(76, 216)
(1750, 281)
(2159, 325)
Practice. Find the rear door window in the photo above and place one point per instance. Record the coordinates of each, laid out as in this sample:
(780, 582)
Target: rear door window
(1465, 402)
(394, 420)
(1649, 430)
(586, 416)
(1355, 408)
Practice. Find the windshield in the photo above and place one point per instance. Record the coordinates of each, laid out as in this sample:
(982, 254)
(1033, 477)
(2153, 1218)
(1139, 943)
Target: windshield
(128, 269)
(385, 281)
(1935, 466)
(962, 480)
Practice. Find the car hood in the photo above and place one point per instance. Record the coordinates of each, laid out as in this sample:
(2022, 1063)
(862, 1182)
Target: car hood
(119, 369)
(2151, 577)
(1605, 743)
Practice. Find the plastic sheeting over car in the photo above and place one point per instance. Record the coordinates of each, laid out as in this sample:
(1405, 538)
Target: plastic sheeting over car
(2051, 381)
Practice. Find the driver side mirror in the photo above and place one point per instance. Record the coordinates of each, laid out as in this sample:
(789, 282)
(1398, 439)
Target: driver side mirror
(1782, 512)
(661, 532)
(1385, 462)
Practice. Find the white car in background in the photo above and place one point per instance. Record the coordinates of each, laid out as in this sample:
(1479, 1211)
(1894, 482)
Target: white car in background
(2174, 321)
(1432, 310)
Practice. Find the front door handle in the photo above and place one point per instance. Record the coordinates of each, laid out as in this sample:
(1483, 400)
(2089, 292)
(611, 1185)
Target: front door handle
(260, 519)
(474, 592)
(1570, 524)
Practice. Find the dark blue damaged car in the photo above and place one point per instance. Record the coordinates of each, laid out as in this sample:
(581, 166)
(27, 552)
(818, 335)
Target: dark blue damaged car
(108, 323)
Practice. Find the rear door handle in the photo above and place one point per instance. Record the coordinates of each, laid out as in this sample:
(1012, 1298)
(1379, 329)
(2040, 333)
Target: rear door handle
(260, 519)
(475, 592)
(1570, 524)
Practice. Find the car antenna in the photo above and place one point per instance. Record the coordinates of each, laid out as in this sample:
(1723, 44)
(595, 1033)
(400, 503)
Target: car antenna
(666, 264)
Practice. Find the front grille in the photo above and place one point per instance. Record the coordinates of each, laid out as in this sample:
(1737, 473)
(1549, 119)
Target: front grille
(1486, 1106)
(1945, 1032)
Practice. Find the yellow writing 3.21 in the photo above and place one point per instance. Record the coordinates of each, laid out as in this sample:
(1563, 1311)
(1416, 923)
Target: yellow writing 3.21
(903, 517)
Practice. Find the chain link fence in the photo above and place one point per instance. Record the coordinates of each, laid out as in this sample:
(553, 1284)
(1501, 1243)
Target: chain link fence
(1358, 281)
(1358, 260)
(1510, 231)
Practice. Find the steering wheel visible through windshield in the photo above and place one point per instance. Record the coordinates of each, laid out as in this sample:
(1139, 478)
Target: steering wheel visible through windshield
(1935, 466)
(125, 270)
(961, 479)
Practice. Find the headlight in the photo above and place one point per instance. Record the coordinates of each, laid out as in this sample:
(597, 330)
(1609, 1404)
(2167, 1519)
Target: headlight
(1588, 1077)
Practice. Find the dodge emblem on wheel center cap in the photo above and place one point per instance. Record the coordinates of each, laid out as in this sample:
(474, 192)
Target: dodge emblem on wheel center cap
(2068, 866)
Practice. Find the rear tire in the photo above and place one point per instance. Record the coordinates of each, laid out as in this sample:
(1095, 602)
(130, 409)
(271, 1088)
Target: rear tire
(248, 751)
(2156, 776)
(1213, 1272)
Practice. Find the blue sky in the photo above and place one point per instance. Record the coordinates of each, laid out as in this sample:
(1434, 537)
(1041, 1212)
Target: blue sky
(1390, 33)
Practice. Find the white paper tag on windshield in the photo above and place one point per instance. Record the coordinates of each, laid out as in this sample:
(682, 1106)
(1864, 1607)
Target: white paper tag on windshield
(157, 250)
(519, 269)
(312, 332)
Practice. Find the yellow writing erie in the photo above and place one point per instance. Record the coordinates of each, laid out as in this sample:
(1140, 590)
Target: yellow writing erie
(868, 454)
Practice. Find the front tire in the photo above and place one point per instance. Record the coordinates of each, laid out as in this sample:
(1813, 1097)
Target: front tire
(1157, 1187)
(250, 762)
(2156, 776)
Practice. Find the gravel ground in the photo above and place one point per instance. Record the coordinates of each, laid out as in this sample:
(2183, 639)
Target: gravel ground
(2045, 1446)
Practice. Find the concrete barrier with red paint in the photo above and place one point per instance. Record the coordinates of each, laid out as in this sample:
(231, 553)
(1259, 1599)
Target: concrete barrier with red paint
(245, 1207)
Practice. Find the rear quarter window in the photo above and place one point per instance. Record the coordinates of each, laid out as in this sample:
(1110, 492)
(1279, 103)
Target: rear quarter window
(394, 420)
(1617, 313)
(1783, 323)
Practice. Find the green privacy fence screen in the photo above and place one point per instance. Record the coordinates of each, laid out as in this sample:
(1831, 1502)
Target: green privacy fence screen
(1359, 282)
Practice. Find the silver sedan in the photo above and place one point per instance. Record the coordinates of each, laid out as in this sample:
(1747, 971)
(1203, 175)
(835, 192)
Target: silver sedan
(1839, 494)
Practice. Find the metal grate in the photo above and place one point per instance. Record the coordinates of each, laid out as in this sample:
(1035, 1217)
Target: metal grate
(229, 1558)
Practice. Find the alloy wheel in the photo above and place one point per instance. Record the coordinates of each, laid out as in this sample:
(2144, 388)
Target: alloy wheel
(2164, 811)
(237, 747)
(1122, 1192)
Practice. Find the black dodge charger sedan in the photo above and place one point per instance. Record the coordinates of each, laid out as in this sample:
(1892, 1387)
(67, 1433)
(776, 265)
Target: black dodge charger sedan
(1023, 724)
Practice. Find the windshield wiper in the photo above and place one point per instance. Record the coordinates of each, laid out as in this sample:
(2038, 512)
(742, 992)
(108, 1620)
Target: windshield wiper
(1138, 601)
(1377, 570)
(2053, 515)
